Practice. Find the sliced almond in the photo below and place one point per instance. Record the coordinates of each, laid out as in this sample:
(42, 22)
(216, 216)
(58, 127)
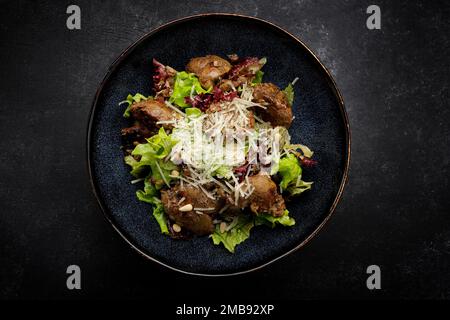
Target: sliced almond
(176, 227)
(222, 227)
(185, 208)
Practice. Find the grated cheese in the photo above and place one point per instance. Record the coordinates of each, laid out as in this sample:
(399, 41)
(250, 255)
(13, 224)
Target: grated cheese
(217, 139)
(136, 180)
(162, 174)
(171, 106)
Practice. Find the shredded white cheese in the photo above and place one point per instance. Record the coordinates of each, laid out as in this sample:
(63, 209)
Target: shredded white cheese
(162, 174)
(215, 143)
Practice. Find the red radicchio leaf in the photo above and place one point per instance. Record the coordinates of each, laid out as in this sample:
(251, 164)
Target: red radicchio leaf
(241, 171)
(204, 100)
(201, 101)
(160, 75)
(238, 68)
(219, 95)
(308, 163)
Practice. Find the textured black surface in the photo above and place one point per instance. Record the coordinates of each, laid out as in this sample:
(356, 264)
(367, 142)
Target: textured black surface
(394, 212)
(319, 122)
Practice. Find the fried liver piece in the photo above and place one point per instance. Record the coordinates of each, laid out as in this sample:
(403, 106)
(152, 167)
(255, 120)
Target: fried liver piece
(135, 134)
(149, 112)
(196, 221)
(208, 69)
(279, 111)
(265, 198)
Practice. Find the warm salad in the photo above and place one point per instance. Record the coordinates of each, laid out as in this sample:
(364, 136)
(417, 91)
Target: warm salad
(212, 149)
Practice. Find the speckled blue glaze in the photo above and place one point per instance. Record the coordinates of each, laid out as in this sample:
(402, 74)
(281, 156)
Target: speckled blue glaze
(320, 123)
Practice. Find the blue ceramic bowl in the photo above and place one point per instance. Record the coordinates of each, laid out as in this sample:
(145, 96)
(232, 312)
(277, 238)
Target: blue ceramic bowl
(320, 122)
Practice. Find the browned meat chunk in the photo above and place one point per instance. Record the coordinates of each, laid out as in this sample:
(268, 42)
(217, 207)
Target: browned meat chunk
(195, 212)
(135, 134)
(265, 198)
(149, 112)
(279, 111)
(208, 69)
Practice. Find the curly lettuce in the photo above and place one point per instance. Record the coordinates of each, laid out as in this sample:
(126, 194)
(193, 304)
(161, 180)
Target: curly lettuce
(132, 99)
(152, 156)
(223, 171)
(271, 221)
(160, 216)
(289, 92)
(151, 195)
(239, 230)
(258, 77)
(289, 169)
(148, 159)
(193, 112)
(300, 187)
(185, 85)
(238, 233)
(291, 174)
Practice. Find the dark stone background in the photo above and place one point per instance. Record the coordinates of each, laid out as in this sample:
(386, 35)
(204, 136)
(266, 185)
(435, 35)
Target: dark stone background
(395, 209)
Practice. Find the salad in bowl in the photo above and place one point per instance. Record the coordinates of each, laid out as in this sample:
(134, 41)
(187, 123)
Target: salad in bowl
(212, 150)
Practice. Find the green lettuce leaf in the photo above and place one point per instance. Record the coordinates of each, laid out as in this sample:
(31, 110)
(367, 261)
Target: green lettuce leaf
(272, 221)
(289, 169)
(291, 174)
(239, 229)
(132, 99)
(138, 168)
(223, 172)
(152, 155)
(258, 77)
(236, 235)
(160, 216)
(301, 187)
(161, 173)
(289, 92)
(185, 83)
(151, 161)
(151, 195)
(193, 112)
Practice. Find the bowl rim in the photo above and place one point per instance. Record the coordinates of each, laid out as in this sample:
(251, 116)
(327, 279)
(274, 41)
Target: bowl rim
(125, 53)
